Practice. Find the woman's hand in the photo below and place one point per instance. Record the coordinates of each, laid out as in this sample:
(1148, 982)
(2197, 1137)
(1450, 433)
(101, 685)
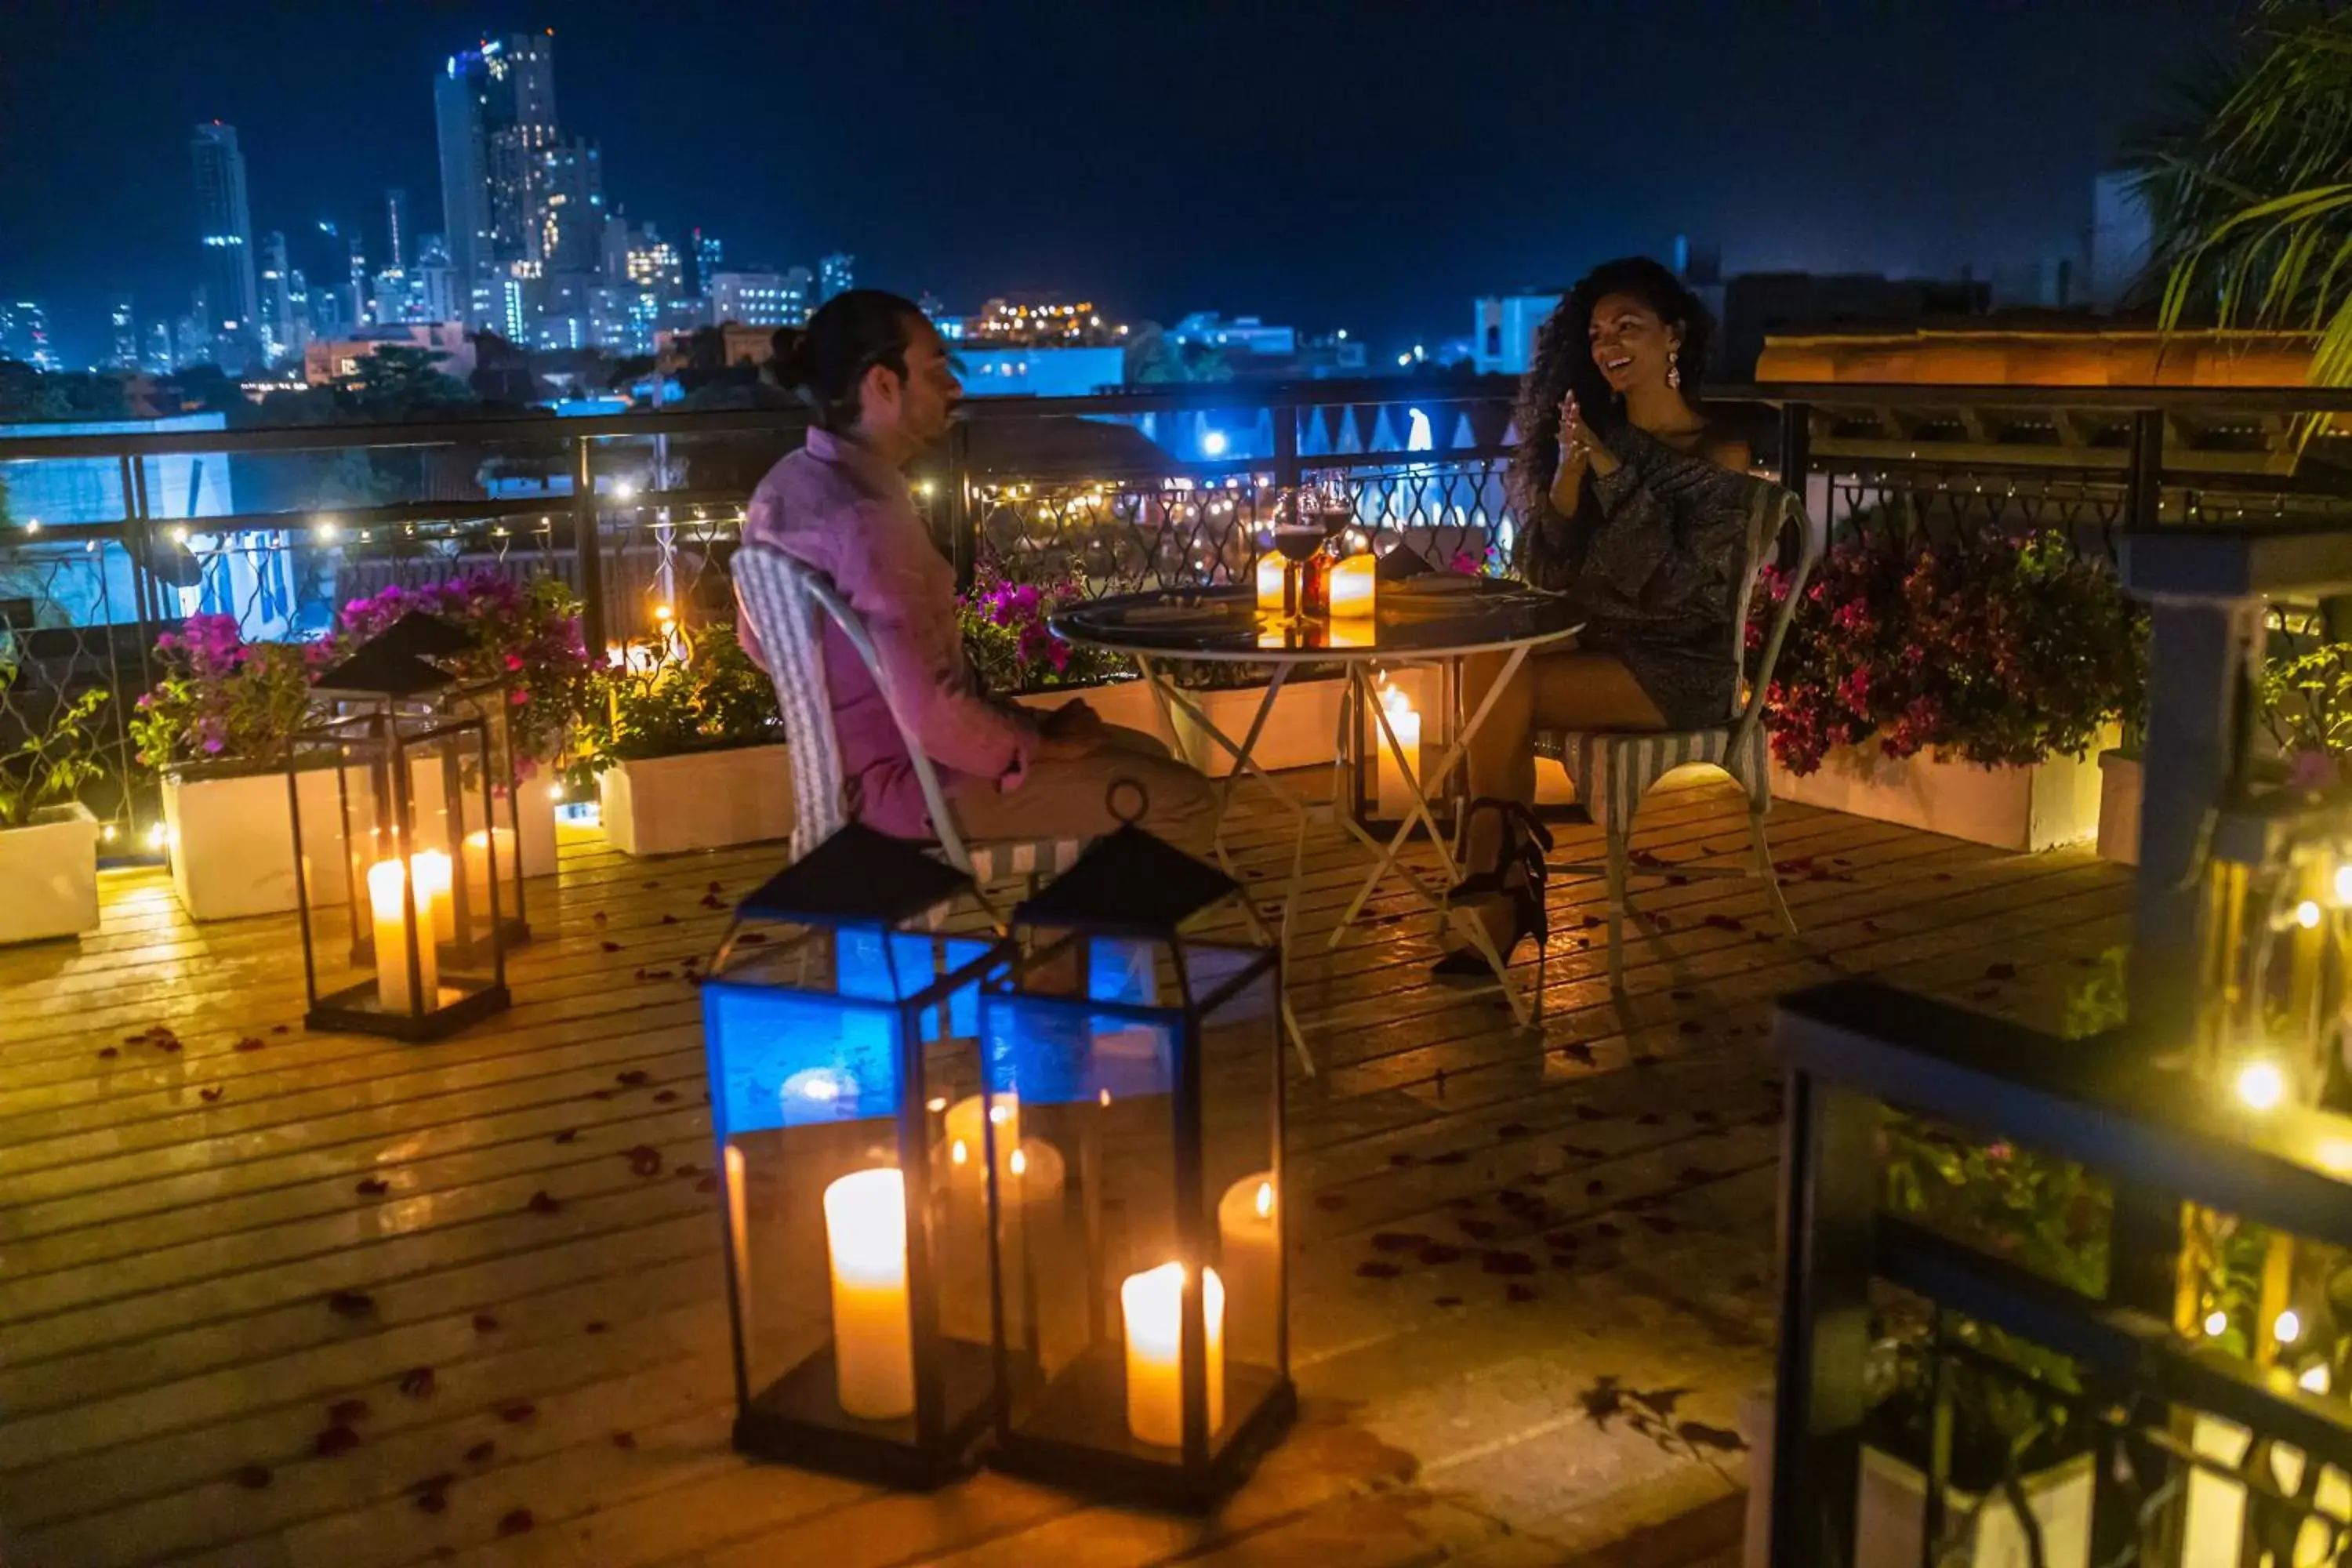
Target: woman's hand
(1579, 444)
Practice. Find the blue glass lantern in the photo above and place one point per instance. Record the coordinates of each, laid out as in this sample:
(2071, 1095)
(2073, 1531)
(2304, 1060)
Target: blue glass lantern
(1136, 1075)
(841, 1025)
(399, 888)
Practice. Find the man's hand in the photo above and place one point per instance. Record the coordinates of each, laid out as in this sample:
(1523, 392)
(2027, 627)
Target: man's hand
(1073, 730)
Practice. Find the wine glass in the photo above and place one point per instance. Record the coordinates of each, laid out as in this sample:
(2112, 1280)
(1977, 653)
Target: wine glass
(1298, 537)
(1332, 506)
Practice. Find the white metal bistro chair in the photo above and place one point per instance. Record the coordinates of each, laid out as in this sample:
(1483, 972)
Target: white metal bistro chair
(782, 598)
(1613, 770)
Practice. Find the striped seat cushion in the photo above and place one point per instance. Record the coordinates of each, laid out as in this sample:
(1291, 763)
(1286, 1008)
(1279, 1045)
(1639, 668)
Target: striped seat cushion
(1612, 770)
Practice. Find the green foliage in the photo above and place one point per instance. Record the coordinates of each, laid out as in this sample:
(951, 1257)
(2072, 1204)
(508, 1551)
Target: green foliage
(58, 758)
(2250, 189)
(712, 697)
(26, 393)
(2307, 700)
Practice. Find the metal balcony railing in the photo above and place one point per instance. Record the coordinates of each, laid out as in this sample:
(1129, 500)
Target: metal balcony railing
(111, 539)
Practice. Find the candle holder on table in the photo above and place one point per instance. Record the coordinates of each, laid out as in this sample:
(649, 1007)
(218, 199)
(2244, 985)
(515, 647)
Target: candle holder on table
(403, 932)
(1139, 1264)
(841, 1028)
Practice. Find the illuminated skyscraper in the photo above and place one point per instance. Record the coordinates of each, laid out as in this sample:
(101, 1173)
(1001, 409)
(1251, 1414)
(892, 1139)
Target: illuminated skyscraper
(835, 276)
(123, 329)
(24, 334)
(571, 186)
(225, 226)
(277, 298)
(494, 114)
(395, 223)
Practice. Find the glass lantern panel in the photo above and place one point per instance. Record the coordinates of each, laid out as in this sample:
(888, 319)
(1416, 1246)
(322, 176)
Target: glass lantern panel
(847, 1301)
(395, 934)
(1091, 1256)
(1241, 1066)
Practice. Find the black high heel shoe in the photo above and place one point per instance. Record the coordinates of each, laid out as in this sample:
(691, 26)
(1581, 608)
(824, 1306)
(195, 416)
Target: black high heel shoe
(1525, 839)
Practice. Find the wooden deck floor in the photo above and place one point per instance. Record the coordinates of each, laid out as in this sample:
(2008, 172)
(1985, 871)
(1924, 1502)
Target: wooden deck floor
(507, 1382)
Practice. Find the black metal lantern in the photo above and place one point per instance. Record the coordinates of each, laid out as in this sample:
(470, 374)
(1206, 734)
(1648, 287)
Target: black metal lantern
(399, 891)
(1136, 1074)
(424, 636)
(841, 1026)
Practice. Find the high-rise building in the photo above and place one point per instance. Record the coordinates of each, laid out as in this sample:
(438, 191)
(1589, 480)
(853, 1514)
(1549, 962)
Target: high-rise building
(835, 275)
(705, 256)
(24, 334)
(277, 298)
(433, 283)
(161, 360)
(572, 209)
(494, 114)
(123, 333)
(395, 224)
(763, 299)
(225, 225)
(356, 295)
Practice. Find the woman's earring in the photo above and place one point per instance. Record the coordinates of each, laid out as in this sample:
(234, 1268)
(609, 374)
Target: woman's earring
(1675, 370)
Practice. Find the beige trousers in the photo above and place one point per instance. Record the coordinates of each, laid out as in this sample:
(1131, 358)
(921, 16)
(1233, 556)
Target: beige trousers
(1071, 797)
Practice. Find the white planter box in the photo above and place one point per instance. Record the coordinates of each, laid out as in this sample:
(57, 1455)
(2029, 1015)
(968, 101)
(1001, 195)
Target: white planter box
(2119, 797)
(49, 866)
(1125, 704)
(703, 800)
(1302, 731)
(1890, 1508)
(232, 843)
(2054, 802)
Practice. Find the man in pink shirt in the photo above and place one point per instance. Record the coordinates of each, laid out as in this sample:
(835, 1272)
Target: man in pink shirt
(878, 381)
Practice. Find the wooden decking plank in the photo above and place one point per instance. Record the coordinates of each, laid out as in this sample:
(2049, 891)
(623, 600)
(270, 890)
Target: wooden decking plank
(165, 1261)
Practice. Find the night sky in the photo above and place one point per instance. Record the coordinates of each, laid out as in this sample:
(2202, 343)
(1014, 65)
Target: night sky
(1370, 165)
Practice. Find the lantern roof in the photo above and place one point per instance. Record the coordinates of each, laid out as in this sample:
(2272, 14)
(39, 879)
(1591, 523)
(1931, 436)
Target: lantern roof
(856, 877)
(377, 670)
(424, 634)
(1130, 883)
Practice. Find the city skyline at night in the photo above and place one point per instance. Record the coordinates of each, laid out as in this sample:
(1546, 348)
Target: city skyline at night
(1324, 169)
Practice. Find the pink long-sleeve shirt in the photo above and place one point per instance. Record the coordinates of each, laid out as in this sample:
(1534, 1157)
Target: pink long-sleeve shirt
(837, 508)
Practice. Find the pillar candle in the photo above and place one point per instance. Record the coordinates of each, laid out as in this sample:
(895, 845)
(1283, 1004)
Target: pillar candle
(1035, 1172)
(873, 1341)
(481, 847)
(1152, 1306)
(1269, 582)
(385, 880)
(435, 905)
(1249, 1256)
(967, 1151)
(1395, 796)
(1353, 587)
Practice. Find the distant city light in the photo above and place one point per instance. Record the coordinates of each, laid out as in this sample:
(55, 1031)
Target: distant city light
(2261, 1085)
(1343, 334)
(1212, 443)
(624, 491)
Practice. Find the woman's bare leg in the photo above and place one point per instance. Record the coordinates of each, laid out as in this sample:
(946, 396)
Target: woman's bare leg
(1571, 688)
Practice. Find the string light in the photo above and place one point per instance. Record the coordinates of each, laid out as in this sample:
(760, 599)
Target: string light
(2261, 1085)
(2306, 915)
(2288, 1329)
(2217, 1323)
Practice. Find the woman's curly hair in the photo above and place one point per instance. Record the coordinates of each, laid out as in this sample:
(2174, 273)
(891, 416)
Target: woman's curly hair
(1562, 363)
